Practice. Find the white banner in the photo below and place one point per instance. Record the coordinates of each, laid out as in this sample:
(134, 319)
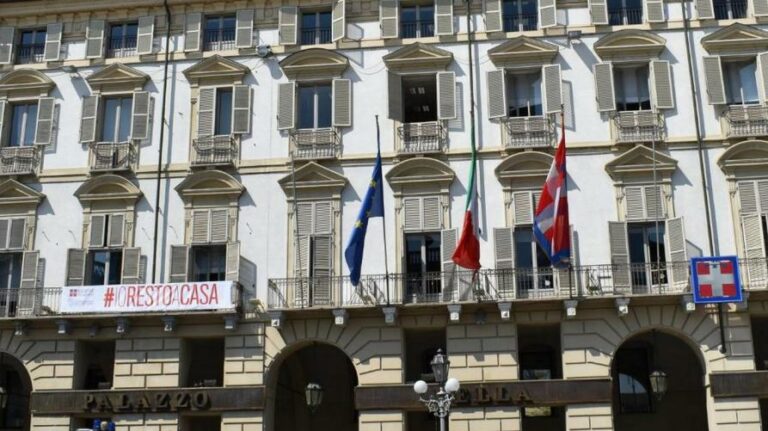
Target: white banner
(141, 298)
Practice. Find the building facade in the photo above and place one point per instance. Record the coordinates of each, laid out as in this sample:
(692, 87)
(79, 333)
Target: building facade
(180, 179)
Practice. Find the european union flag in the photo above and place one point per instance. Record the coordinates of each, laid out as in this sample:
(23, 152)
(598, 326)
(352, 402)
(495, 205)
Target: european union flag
(373, 206)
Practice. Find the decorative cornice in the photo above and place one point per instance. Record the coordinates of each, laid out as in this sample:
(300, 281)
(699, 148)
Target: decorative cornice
(211, 183)
(418, 56)
(630, 44)
(736, 38)
(108, 187)
(420, 171)
(314, 63)
(25, 81)
(745, 156)
(117, 75)
(641, 161)
(523, 50)
(216, 67)
(313, 177)
(13, 192)
(524, 165)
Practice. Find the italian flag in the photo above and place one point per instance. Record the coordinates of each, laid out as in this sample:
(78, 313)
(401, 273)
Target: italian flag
(467, 253)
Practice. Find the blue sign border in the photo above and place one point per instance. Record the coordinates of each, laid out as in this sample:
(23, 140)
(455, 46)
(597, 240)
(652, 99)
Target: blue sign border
(697, 299)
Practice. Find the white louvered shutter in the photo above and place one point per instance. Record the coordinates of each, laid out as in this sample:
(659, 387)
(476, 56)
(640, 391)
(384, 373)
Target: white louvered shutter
(446, 95)
(504, 254)
(634, 203)
(598, 9)
(713, 76)
(97, 229)
(552, 88)
(754, 249)
(94, 38)
(522, 205)
(654, 203)
(304, 226)
(241, 109)
(412, 214)
(705, 9)
(762, 75)
(443, 17)
(322, 218)
(547, 13)
(206, 111)
(760, 7)
(677, 252)
(140, 116)
(339, 20)
(287, 24)
(342, 103)
(88, 119)
(116, 230)
(244, 30)
(44, 128)
(606, 99)
(302, 287)
(431, 213)
(748, 202)
(619, 246)
(661, 84)
(322, 260)
(286, 106)
(389, 18)
(654, 10)
(76, 266)
(395, 96)
(493, 15)
(17, 233)
(497, 94)
(233, 261)
(145, 35)
(219, 230)
(193, 23)
(53, 33)
(131, 270)
(201, 226)
(29, 275)
(7, 36)
(4, 225)
(179, 263)
(448, 238)
(3, 122)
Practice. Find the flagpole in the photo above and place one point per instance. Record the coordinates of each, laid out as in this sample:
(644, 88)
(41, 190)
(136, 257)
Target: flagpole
(571, 278)
(383, 216)
(472, 112)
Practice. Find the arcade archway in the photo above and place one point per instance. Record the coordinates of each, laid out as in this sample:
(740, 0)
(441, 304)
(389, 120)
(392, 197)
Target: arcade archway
(15, 381)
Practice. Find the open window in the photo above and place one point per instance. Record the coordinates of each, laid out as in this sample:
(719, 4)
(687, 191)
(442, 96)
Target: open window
(421, 345)
(312, 25)
(218, 32)
(122, 39)
(25, 122)
(119, 39)
(200, 423)
(539, 352)
(30, 45)
(201, 362)
(415, 19)
(626, 12)
(94, 366)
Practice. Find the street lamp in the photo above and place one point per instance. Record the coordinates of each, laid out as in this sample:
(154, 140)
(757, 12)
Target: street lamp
(3, 397)
(658, 383)
(438, 404)
(314, 394)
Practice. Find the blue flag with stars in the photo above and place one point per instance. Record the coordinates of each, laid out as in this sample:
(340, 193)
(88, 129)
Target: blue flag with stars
(373, 206)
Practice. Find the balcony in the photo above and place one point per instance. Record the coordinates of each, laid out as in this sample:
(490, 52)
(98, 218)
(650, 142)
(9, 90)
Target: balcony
(120, 47)
(315, 35)
(214, 151)
(414, 29)
(19, 160)
(422, 138)
(638, 126)
(30, 53)
(17, 303)
(746, 121)
(315, 144)
(528, 132)
(219, 39)
(112, 156)
(521, 22)
(625, 16)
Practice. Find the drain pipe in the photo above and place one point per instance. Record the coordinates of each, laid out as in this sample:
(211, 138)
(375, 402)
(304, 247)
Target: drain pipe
(162, 138)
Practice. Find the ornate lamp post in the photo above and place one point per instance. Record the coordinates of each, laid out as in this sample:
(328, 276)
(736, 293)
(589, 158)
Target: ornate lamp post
(439, 404)
(659, 383)
(314, 394)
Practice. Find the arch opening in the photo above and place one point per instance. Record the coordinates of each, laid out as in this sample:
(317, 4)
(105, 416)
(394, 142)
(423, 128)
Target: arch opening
(15, 380)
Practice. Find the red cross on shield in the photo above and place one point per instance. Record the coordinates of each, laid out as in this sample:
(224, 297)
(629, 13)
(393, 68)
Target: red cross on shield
(716, 279)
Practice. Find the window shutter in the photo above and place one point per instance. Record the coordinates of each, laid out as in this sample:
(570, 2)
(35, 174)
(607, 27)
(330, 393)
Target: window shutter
(29, 264)
(547, 13)
(286, 110)
(342, 103)
(754, 249)
(762, 73)
(448, 238)
(389, 18)
(244, 31)
(713, 76)
(179, 263)
(606, 100)
(4, 225)
(395, 96)
(219, 225)
(446, 95)
(661, 85)
(339, 26)
(145, 36)
(17, 234)
(287, 23)
(322, 218)
(140, 116)
(193, 23)
(432, 213)
(747, 197)
(412, 214)
(3, 113)
(206, 105)
(53, 34)
(233, 261)
(522, 204)
(98, 222)
(654, 203)
(44, 128)
(552, 88)
(322, 259)
(634, 206)
(241, 109)
(7, 35)
(443, 17)
(504, 253)
(305, 212)
(116, 230)
(598, 9)
(762, 195)
(200, 226)
(705, 9)
(131, 271)
(88, 119)
(497, 94)
(678, 254)
(75, 267)
(654, 10)
(760, 7)
(492, 11)
(301, 289)
(619, 246)
(94, 38)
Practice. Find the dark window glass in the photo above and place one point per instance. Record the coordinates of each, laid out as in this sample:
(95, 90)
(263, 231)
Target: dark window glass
(647, 254)
(417, 21)
(421, 345)
(202, 362)
(219, 33)
(534, 271)
(209, 263)
(223, 111)
(315, 28)
(10, 271)
(116, 119)
(419, 99)
(315, 106)
(23, 124)
(631, 84)
(520, 15)
(105, 267)
(122, 39)
(625, 12)
(633, 384)
(730, 9)
(31, 46)
(423, 266)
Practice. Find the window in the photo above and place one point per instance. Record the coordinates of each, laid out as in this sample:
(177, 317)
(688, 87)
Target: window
(116, 119)
(421, 345)
(31, 47)
(524, 94)
(200, 423)
(760, 341)
(634, 386)
(631, 84)
(315, 106)
(419, 98)
(315, 28)
(223, 125)
(209, 263)
(104, 267)
(540, 358)
(534, 270)
(625, 12)
(122, 39)
(94, 365)
(10, 271)
(740, 79)
(219, 33)
(647, 251)
(417, 21)
(202, 362)
(23, 124)
(520, 15)
(422, 266)
(730, 9)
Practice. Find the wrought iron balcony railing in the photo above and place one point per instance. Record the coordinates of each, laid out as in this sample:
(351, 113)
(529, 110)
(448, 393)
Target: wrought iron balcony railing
(19, 160)
(219, 39)
(413, 29)
(529, 132)
(422, 138)
(747, 121)
(638, 126)
(625, 16)
(30, 53)
(314, 144)
(521, 22)
(214, 150)
(112, 156)
(119, 47)
(315, 35)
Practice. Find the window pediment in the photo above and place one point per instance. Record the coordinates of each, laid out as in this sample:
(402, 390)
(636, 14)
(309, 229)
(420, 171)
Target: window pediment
(210, 183)
(523, 49)
(640, 162)
(314, 63)
(745, 156)
(216, 68)
(736, 38)
(13, 192)
(418, 56)
(421, 171)
(118, 76)
(314, 178)
(630, 44)
(25, 82)
(108, 187)
(525, 165)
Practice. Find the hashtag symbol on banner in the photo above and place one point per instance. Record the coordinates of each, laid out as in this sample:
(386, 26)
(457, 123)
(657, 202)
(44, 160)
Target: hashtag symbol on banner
(109, 296)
